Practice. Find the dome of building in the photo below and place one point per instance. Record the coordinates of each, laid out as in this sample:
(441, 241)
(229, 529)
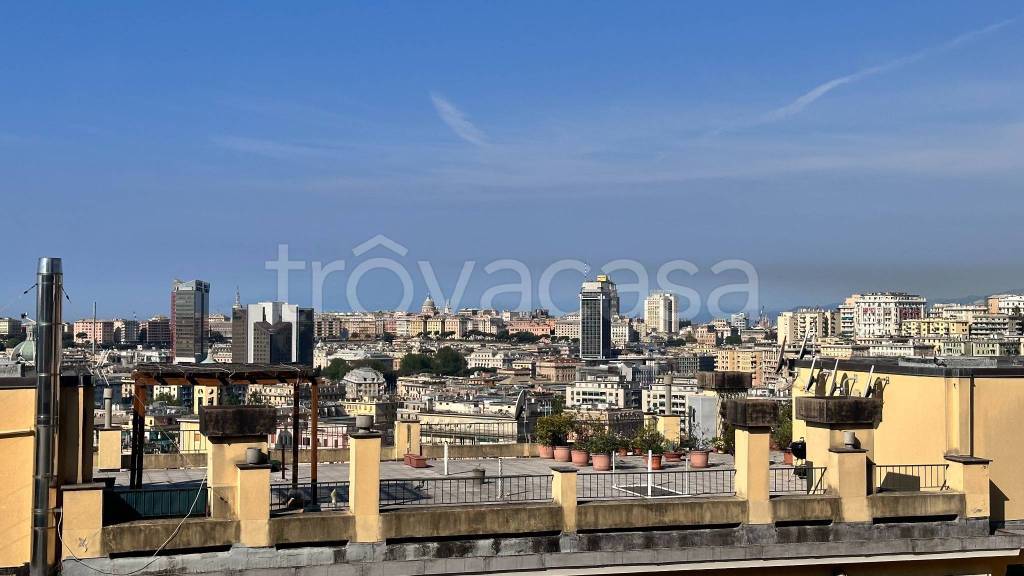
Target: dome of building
(428, 307)
(25, 351)
(364, 376)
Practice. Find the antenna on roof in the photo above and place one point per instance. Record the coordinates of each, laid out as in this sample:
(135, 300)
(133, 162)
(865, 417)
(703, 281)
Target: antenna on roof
(869, 391)
(835, 374)
(810, 378)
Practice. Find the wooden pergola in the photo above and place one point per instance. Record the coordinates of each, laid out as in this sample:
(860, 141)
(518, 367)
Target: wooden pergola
(222, 375)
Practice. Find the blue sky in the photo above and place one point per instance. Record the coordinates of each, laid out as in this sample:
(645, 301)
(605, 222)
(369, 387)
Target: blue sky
(836, 148)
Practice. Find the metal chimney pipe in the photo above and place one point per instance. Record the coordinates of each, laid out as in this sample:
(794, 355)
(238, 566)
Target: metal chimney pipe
(49, 282)
(108, 407)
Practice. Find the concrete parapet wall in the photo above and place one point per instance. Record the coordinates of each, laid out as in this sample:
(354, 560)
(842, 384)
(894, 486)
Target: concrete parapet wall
(445, 521)
(312, 528)
(857, 549)
(631, 514)
(804, 508)
(148, 535)
(916, 504)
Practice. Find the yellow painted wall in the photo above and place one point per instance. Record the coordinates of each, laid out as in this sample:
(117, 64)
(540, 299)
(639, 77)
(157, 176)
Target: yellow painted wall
(926, 417)
(17, 425)
(998, 406)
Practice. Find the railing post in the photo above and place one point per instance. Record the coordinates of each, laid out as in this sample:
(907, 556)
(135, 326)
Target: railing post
(252, 508)
(847, 478)
(109, 457)
(81, 520)
(970, 475)
(364, 486)
(563, 493)
(752, 462)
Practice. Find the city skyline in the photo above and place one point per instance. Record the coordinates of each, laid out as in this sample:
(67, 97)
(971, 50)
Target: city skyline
(860, 167)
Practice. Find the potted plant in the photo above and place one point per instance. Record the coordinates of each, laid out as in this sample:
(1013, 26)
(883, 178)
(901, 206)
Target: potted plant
(563, 426)
(544, 435)
(622, 445)
(601, 446)
(583, 430)
(673, 452)
(699, 451)
(718, 444)
(649, 441)
(552, 433)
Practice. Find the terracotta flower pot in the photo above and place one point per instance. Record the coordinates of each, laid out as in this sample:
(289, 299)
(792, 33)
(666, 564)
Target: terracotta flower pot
(673, 456)
(698, 458)
(787, 457)
(623, 452)
(580, 457)
(602, 462)
(655, 461)
(545, 451)
(562, 454)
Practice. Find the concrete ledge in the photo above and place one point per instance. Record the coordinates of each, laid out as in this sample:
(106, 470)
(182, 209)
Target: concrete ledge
(916, 504)
(312, 528)
(631, 514)
(666, 551)
(447, 521)
(804, 508)
(148, 535)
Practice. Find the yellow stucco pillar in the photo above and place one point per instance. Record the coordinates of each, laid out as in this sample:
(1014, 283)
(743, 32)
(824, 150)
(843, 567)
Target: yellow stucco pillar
(668, 425)
(81, 521)
(109, 457)
(364, 486)
(752, 452)
(970, 475)
(407, 439)
(252, 504)
(847, 478)
(563, 493)
(222, 459)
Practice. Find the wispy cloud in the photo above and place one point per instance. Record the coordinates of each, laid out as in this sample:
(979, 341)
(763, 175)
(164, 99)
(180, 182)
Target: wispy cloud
(457, 121)
(274, 148)
(803, 101)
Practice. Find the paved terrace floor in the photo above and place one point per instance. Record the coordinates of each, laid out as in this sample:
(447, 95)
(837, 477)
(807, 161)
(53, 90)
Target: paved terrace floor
(435, 469)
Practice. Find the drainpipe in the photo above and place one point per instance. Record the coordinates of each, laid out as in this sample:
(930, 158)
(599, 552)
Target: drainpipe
(49, 279)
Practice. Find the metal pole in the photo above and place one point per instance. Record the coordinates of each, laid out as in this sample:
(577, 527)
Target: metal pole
(50, 279)
(445, 458)
(295, 436)
(314, 435)
(650, 456)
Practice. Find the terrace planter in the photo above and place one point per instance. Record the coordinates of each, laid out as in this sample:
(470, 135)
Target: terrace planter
(415, 461)
(655, 461)
(547, 452)
(673, 456)
(623, 452)
(698, 458)
(580, 457)
(562, 454)
(787, 457)
(602, 462)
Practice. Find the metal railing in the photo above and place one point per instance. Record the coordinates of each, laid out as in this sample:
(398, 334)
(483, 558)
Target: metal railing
(465, 490)
(469, 433)
(910, 477)
(796, 480)
(330, 496)
(664, 484)
(122, 504)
